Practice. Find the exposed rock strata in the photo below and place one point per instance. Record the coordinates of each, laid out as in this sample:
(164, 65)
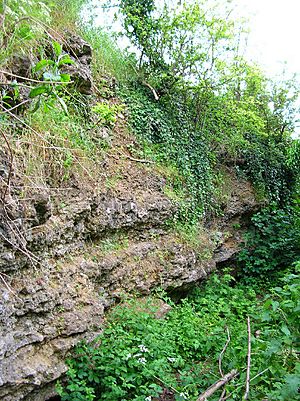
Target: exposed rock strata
(47, 307)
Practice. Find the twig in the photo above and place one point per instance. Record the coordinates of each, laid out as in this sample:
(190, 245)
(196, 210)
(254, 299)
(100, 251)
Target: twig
(130, 158)
(248, 360)
(240, 385)
(223, 395)
(34, 80)
(15, 107)
(24, 123)
(222, 353)
(156, 97)
(220, 383)
(10, 167)
(9, 288)
(138, 160)
(27, 253)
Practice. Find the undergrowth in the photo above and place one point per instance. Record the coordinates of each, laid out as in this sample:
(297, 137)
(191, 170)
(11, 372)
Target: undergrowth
(140, 356)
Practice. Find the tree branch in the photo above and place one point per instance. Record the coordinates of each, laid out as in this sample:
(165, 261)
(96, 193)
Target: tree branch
(220, 383)
(156, 97)
(33, 80)
(248, 360)
(222, 353)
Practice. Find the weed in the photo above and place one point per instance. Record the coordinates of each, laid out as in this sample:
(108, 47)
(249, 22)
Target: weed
(107, 113)
(114, 243)
(141, 355)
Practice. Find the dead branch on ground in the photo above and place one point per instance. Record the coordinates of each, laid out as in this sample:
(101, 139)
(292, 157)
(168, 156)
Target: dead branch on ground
(217, 385)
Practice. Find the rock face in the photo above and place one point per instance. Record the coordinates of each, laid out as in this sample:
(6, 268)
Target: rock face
(67, 254)
(62, 265)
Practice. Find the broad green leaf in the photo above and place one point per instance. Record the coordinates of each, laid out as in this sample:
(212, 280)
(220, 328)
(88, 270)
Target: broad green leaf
(49, 76)
(65, 59)
(57, 48)
(42, 63)
(65, 77)
(39, 90)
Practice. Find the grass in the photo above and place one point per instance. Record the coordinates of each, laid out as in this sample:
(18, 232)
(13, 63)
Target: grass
(108, 58)
(116, 242)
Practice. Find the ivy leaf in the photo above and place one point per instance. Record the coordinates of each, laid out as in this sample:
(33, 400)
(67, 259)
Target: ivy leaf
(289, 390)
(285, 330)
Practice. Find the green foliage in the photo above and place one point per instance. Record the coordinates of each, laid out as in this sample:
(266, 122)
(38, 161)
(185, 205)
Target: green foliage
(177, 42)
(48, 92)
(272, 242)
(169, 131)
(138, 355)
(107, 113)
(213, 106)
(67, 130)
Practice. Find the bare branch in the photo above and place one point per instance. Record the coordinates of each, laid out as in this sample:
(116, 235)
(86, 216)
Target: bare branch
(248, 360)
(33, 80)
(10, 167)
(217, 385)
(156, 97)
(16, 106)
(8, 287)
(223, 351)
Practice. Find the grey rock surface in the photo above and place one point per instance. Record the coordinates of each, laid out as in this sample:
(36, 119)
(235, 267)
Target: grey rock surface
(73, 262)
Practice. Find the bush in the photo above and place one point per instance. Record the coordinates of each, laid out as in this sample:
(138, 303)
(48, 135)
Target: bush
(272, 242)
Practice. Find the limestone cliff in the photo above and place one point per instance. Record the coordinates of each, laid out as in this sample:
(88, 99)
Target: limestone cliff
(69, 253)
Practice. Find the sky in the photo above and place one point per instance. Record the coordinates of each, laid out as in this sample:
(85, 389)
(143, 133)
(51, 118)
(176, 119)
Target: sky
(275, 33)
(274, 38)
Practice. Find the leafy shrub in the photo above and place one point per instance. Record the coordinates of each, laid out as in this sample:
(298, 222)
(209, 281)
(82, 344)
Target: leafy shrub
(139, 355)
(272, 242)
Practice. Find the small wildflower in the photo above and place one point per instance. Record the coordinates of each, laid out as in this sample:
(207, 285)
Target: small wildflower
(149, 398)
(128, 356)
(142, 361)
(143, 348)
(172, 360)
(184, 395)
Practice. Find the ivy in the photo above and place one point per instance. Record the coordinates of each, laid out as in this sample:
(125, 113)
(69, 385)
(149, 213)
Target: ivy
(272, 242)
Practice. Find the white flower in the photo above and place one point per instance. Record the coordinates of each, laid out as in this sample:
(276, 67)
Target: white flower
(142, 361)
(128, 356)
(172, 360)
(149, 398)
(184, 395)
(143, 348)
